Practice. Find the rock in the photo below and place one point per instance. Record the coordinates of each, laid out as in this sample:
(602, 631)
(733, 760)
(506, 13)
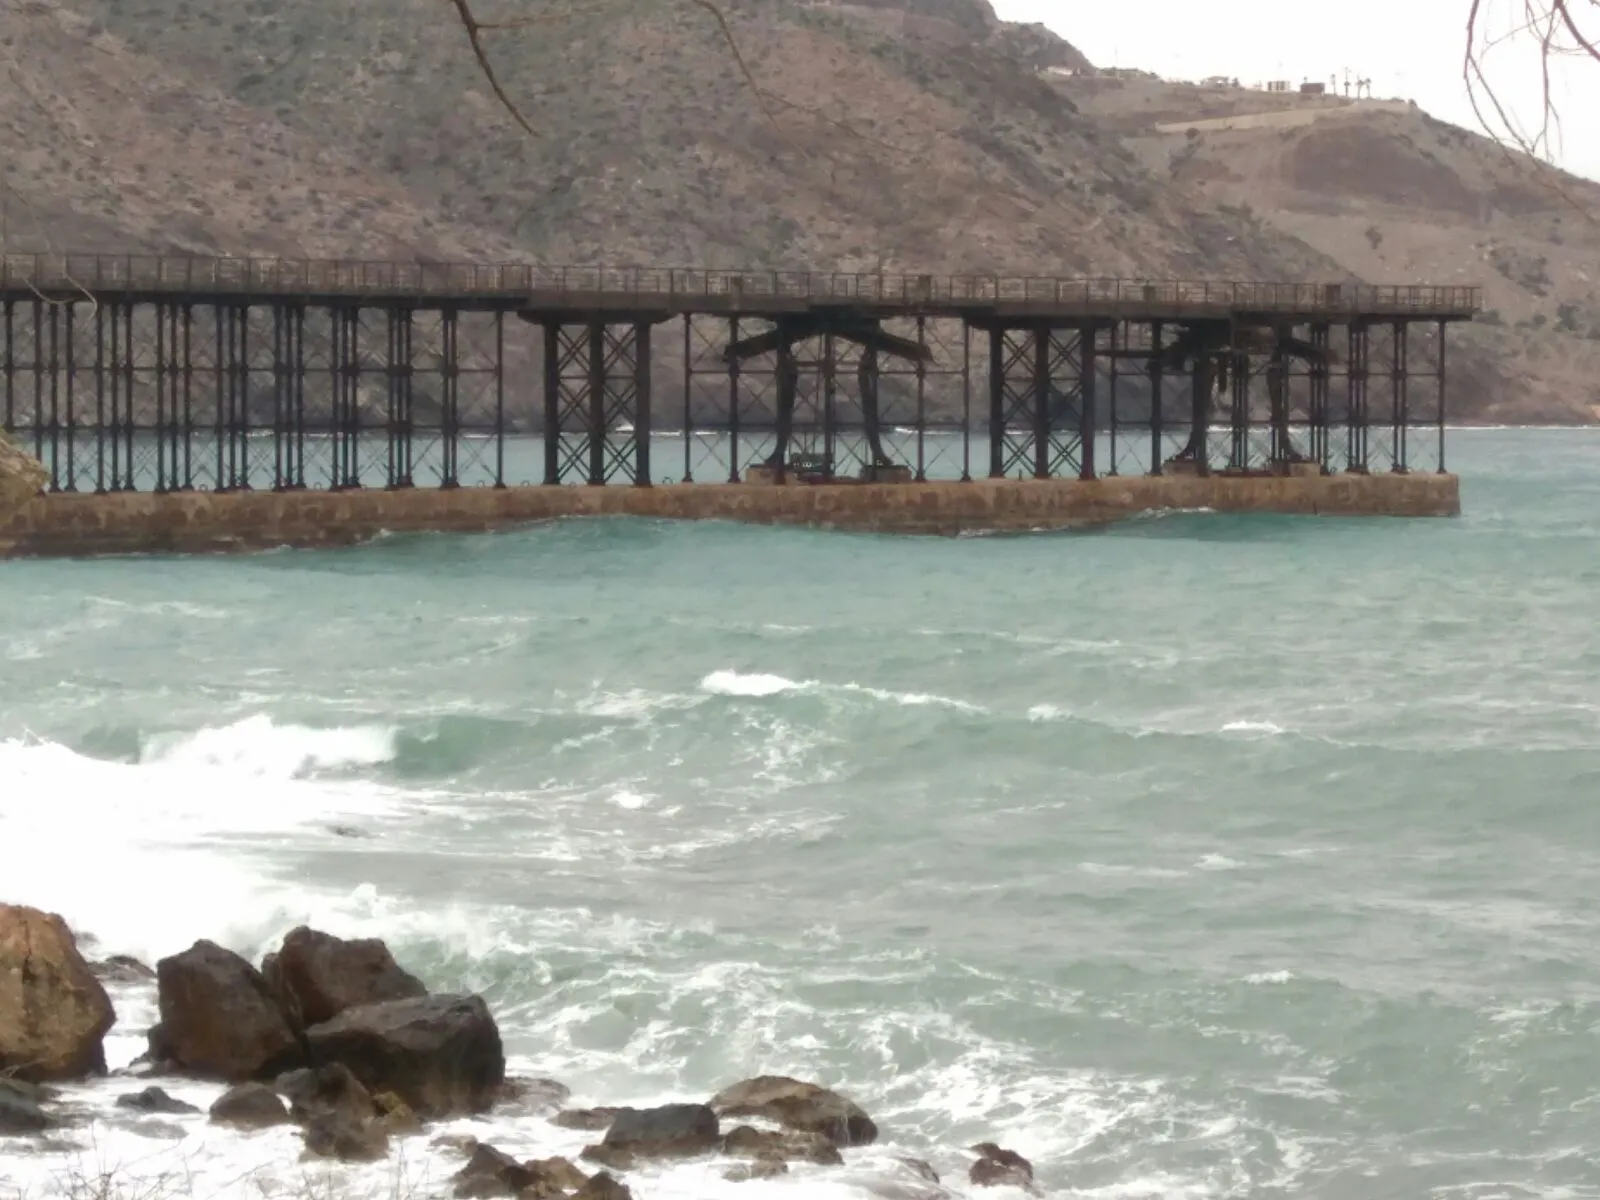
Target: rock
(165, 1130)
(761, 1168)
(590, 1119)
(997, 1167)
(22, 477)
(154, 1100)
(54, 1013)
(603, 1187)
(325, 975)
(249, 1106)
(537, 1096)
(558, 1173)
(119, 968)
(785, 1145)
(219, 1020)
(395, 1114)
(21, 1110)
(796, 1105)
(440, 1054)
(668, 1131)
(463, 1143)
(337, 1134)
(919, 1168)
(330, 1090)
(492, 1172)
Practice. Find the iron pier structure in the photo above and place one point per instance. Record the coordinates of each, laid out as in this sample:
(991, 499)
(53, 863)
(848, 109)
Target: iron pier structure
(168, 374)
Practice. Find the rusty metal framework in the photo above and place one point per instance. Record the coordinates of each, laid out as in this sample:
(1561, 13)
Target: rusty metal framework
(157, 383)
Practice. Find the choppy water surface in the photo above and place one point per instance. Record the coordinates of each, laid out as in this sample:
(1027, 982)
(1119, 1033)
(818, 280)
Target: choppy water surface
(1197, 857)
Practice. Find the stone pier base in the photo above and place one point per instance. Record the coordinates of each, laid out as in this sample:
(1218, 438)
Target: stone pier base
(133, 523)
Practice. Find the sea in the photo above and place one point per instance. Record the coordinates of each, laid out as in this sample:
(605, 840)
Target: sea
(1195, 856)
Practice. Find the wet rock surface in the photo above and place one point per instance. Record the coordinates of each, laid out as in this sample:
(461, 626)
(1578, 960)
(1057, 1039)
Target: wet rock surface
(154, 1100)
(440, 1054)
(54, 1013)
(318, 976)
(806, 1107)
(219, 1020)
(249, 1106)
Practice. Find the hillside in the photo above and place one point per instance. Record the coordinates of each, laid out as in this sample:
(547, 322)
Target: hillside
(1392, 194)
(918, 134)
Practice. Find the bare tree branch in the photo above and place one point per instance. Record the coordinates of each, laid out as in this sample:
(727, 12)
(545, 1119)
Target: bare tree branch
(1555, 30)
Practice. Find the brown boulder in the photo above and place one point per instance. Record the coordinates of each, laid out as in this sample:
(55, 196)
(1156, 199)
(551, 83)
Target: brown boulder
(218, 1018)
(249, 1106)
(330, 1089)
(667, 1131)
(440, 1054)
(603, 1187)
(786, 1145)
(332, 1133)
(761, 1168)
(491, 1172)
(319, 976)
(22, 477)
(796, 1105)
(592, 1120)
(998, 1167)
(54, 1014)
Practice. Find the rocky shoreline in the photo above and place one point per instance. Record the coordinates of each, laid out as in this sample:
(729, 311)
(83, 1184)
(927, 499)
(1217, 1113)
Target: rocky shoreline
(334, 1038)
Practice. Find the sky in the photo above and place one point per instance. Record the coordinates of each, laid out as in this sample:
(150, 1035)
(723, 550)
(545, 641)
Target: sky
(1409, 49)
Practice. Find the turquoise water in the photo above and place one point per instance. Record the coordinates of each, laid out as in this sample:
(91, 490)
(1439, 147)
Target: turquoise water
(1200, 856)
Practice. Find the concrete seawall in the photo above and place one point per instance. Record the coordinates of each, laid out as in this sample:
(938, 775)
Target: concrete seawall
(199, 522)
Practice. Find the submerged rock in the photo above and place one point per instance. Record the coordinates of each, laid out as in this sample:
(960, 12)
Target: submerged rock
(761, 1168)
(786, 1145)
(119, 968)
(338, 1134)
(249, 1106)
(154, 1100)
(668, 1131)
(603, 1187)
(539, 1096)
(492, 1172)
(591, 1120)
(440, 1054)
(21, 1109)
(219, 1020)
(320, 976)
(796, 1105)
(998, 1167)
(54, 1014)
(328, 1089)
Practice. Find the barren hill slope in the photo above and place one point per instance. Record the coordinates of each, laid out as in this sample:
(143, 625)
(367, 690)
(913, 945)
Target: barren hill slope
(111, 150)
(1392, 194)
(910, 133)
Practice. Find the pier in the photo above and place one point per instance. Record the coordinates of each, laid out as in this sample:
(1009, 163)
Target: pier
(170, 376)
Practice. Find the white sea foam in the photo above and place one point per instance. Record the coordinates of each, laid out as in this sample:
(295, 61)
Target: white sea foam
(135, 854)
(257, 746)
(758, 685)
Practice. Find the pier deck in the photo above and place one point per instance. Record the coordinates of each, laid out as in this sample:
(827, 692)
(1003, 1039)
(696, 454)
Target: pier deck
(129, 373)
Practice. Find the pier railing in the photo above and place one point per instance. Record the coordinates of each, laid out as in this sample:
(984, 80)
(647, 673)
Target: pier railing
(679, 288)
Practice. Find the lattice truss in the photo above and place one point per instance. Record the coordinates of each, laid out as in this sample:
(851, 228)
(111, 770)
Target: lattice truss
(597, 401)
(1042, 396)
(396, 398)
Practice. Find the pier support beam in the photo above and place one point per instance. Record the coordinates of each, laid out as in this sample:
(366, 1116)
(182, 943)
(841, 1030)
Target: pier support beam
(597, 402)
(1042, 400)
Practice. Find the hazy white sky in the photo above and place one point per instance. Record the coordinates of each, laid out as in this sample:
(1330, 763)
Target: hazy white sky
(1411, 49)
